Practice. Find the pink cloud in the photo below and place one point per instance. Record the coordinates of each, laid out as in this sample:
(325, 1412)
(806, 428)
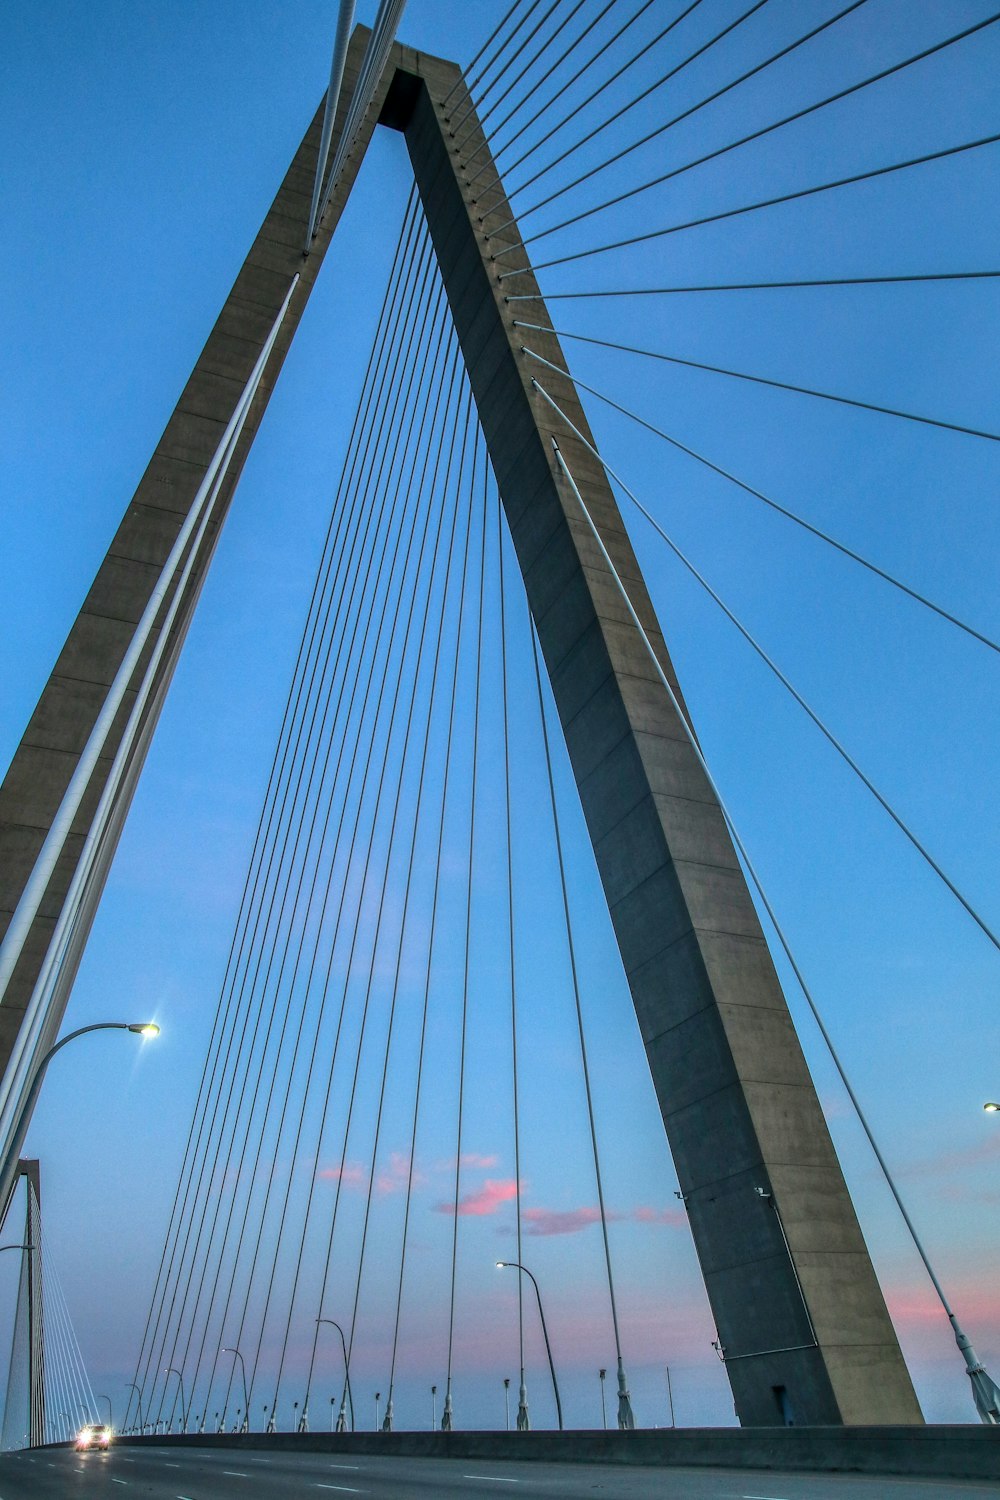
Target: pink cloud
(352, 1173)
(486, 1201)
(915, 1306)
(545, 1221)
(474, 1160)
(987, 1150)
(675, 1217)
(394, 1177)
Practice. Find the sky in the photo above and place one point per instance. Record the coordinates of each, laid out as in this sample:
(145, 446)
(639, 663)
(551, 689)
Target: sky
(147, 143)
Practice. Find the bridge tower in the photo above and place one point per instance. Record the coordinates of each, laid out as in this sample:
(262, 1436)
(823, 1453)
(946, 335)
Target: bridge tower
(800, 1316)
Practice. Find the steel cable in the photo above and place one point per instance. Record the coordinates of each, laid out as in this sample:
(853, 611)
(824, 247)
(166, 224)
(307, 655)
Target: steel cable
(747, 208)
(782, 510)
(283, 820)
(358, 635)
(315, 886)
(575, 977)
(824, 729)
(751, 870)
(411, 864)
(575, 113)
(651, 89)
(779, 385)
(553, 68)
(341, 515)
(756, 286)
(474, 104)
(753, 135)
(475, 82)
(425, 1009)
(449, 376)
(539, 52)
(416, 415)
(511, 946)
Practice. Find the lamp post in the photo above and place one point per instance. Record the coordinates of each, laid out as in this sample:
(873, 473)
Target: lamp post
(516, 1265)
(602, 1375)
(138, 1397)
(346, 1399)
(111, 1419)
(506, 1401)
(378, 1397)
(246, 1403)
(170, 1370)
(8, 1172)
(434, 1407)
(670, 1397)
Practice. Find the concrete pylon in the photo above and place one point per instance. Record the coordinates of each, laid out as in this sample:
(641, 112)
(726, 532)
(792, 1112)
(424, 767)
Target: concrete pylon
(30, 1170)
(802, 1323)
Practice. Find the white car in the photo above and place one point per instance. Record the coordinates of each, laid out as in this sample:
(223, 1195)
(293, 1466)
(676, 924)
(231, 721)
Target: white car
(93, 1436)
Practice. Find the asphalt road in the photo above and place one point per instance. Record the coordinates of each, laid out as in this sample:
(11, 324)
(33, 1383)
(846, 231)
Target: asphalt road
(226, 1474)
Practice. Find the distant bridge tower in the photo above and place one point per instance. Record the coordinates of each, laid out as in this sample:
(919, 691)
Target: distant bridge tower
(24, 1407)
(798, 1309)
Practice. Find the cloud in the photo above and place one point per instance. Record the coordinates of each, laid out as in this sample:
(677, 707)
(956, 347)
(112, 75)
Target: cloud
(987, 1150)
(675, 1217)
(473, 1160)
(394, 1177)
(914, 1306)
(352, 1174)
(545, 1221)
(957, 1192)
(486, 1201)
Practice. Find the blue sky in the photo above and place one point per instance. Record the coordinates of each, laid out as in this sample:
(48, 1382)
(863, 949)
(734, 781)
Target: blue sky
(147, 146)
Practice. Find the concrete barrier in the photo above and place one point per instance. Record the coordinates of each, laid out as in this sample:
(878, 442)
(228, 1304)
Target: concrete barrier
(942, 1452)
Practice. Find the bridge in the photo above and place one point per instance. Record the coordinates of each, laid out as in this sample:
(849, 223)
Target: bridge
(645, 352)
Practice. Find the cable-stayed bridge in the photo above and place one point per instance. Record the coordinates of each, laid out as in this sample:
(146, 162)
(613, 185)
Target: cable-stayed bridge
(480, 662)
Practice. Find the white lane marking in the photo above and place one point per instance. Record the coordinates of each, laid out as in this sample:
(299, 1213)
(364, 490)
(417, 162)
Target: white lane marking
(171, 1466)
(345, 1466)
(119, 1481)
(236, 1474)
(183, 1497)
(490, 1479)
(345, 1489)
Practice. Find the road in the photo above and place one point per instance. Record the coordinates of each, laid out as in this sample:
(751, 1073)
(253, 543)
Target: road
(226, 1474)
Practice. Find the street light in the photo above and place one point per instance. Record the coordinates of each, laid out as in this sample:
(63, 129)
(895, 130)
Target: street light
(111, 1419)
(246, 1403)
(138, 1394)
(516, 1265)
(602, 1374)
(170, 1370)
(346, 1398)
(990, 1107)
(8, 1173)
